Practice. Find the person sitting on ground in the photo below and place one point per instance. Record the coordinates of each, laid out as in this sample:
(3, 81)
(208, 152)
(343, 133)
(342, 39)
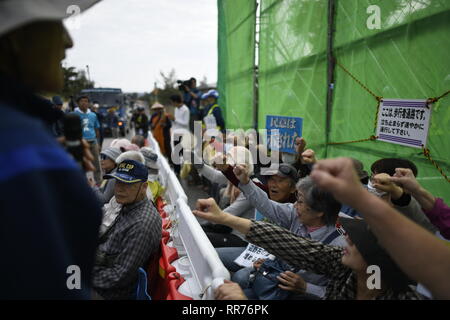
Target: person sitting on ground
(424, 257)
(280, 188)
(435, 208)
(138, 140)
(151, 159)
(111, 209)
(313, 216)
(131, 155)
(108, 158)
(155, 183)
(130, 242)
(382, 171)
(221, 236)
(346, 267)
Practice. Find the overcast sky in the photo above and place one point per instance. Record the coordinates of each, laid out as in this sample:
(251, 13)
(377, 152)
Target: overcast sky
(127, 42)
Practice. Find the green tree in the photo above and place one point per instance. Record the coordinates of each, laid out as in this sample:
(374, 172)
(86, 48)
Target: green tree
(169, 88)
(74, 82)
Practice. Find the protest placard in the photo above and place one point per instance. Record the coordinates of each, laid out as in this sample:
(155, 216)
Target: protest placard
(288, 128)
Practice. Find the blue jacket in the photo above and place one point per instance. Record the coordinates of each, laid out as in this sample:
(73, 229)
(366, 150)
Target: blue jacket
(49, 216)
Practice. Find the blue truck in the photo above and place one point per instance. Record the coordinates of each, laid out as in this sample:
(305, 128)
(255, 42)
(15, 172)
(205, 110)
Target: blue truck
(108, 98)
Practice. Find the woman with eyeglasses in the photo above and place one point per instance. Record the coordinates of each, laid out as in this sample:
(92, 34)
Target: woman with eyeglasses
(313, 215)
(360, 271)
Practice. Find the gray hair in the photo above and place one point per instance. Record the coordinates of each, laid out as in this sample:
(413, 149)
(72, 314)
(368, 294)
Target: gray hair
(319, 200)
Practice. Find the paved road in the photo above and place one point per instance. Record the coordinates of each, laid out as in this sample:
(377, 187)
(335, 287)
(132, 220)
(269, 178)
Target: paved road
(193, 192)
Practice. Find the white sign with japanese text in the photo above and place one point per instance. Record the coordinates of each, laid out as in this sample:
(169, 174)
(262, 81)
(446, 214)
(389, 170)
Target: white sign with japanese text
(250, 255)
(404, 122)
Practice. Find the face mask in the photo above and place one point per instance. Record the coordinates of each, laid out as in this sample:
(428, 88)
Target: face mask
(375, 191)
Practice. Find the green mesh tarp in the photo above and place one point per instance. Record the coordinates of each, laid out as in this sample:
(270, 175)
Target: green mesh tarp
(406, 59)
(292, 64)
(236, 42)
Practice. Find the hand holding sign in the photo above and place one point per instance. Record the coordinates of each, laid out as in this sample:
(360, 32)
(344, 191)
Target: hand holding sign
(292, 282)
(300, 145)
(258, 263)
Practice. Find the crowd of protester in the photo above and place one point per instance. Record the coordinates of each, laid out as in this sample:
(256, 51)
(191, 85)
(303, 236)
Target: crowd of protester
(341, 221)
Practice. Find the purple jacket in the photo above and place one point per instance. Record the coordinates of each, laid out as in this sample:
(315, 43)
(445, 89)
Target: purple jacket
(440, 217)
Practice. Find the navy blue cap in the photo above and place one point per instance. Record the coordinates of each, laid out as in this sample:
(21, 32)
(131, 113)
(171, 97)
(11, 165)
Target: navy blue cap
(129, 171)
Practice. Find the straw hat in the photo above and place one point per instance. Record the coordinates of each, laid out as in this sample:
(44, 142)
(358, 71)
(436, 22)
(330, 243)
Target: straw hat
(157, 106)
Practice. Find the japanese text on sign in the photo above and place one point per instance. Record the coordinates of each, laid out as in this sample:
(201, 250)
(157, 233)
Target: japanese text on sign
(250, 255)
(404, 122)
(282, 131)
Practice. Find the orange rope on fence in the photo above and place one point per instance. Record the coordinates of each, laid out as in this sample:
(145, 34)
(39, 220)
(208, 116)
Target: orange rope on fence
(426, 153)
(376, 116)
(378, 98)
(433, 100)
(371, 138)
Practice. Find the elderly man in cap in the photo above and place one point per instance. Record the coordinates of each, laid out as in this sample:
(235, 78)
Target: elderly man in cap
(44, 254)
(131, 240)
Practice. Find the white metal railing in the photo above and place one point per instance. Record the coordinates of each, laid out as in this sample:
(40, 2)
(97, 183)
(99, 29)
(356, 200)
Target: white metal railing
(207, 269)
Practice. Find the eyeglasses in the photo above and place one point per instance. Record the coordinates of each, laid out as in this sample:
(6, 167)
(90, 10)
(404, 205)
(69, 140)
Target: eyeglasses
(103, 157)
